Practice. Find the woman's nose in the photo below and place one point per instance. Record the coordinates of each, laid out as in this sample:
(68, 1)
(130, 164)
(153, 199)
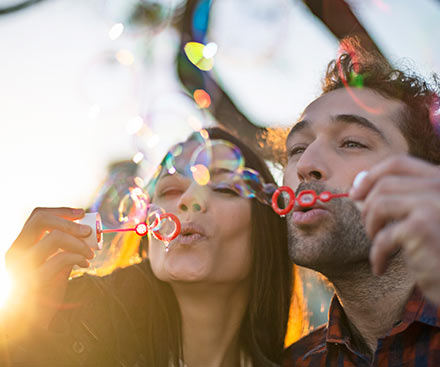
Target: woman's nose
(193, 199)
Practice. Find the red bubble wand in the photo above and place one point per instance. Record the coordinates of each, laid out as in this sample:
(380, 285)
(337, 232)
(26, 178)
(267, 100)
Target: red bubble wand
(142, 229)
(306, 198)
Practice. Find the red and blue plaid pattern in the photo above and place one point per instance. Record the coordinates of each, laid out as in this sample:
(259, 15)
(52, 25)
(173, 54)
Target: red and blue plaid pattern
(414, 341)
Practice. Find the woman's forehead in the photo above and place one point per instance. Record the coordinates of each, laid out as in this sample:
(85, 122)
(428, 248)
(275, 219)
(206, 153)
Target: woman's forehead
(212, 154)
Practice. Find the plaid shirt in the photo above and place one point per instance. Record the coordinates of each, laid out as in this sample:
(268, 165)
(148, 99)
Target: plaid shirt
(414, 341)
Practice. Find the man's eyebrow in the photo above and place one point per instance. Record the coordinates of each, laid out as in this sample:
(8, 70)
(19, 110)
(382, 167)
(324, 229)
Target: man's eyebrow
(360, 121)
(300, 125)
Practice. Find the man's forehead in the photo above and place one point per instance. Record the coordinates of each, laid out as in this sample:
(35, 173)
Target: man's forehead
(364, 103)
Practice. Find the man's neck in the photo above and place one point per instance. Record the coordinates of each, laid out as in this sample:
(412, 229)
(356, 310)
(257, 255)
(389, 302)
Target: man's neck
(373, 304)
(212, 318)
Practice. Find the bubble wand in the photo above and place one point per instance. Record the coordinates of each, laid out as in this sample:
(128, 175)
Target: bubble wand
(95, 239)
(305, 199)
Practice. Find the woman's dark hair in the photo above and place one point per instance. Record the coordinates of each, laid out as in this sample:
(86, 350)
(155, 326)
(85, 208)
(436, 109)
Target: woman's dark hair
(265, 321)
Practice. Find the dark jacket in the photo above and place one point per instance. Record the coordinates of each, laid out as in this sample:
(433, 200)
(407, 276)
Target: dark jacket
(101, 323)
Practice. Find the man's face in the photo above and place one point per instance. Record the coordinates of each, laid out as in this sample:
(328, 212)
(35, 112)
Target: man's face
(338, 135)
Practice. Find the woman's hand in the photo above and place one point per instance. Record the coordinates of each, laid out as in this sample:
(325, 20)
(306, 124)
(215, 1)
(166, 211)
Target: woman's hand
(402, 211)
(40, 261)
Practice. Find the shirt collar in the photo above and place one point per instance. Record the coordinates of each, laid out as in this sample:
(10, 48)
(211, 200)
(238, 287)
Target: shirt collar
(417, 309)
(337, 330)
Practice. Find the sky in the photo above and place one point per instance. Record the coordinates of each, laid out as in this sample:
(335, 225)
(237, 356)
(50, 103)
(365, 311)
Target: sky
(71, 96)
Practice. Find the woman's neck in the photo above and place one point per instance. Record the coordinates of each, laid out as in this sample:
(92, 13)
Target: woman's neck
(211, 319)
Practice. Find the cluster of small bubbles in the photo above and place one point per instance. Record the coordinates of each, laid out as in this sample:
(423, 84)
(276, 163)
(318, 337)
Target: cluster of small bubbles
(138, 17)
(157, 124)
(121, 177)
(153, 217)
(133, 205)
(216, 163)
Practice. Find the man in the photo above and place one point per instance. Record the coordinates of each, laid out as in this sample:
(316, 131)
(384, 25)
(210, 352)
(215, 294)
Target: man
(382, 257)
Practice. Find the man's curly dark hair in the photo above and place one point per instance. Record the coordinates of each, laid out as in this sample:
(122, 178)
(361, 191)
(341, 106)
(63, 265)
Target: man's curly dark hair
(420, 120)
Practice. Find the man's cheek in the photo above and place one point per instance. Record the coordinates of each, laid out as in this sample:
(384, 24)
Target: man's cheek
(290, 177)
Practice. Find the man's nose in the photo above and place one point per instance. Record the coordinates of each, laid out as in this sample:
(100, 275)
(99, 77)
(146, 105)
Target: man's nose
(312, 165)
(193, 199)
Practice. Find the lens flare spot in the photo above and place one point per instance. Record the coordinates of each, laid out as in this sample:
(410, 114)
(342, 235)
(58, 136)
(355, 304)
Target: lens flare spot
(210, 50)
(138, 157)
(125, 57)
(134, 125)
(200, 174)
(116, 31)
(202, 98)
(204, 134)
(194, 52)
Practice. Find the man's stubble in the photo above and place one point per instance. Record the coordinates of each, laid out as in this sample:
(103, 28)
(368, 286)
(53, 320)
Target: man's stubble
(334, 247)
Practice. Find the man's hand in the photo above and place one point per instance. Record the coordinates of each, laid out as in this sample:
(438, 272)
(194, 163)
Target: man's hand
(40, 261)
(402, 210)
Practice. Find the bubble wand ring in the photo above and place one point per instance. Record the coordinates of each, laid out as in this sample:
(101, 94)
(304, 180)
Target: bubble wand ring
(306, 198)
(289, 206)
(174, 234)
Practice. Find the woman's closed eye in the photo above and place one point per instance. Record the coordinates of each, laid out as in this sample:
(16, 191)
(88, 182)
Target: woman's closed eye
(170, 192)
(225, 188)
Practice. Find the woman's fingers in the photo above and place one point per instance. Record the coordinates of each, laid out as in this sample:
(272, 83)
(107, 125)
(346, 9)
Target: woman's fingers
(47, 219)
(58, 240)
(58, 263)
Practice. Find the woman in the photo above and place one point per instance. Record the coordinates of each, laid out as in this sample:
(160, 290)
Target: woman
(219, 297)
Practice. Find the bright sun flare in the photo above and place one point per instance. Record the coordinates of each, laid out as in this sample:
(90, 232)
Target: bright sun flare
(5, 286)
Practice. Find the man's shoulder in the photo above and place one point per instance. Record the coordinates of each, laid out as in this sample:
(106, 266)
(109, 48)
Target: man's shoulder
(311, 343)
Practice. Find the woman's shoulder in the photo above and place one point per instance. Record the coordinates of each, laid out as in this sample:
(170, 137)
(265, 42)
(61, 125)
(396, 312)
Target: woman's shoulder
(133, 277)
(99, 312)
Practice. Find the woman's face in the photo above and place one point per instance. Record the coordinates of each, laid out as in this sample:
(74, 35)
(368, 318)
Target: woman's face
(214, 242)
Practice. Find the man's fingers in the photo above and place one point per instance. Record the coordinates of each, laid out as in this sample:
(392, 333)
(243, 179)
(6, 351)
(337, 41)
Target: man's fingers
(403, 185)
(58, 263)
(401, 165)
(383, 209)
(58, 240)
(46, 219)
(386, 243)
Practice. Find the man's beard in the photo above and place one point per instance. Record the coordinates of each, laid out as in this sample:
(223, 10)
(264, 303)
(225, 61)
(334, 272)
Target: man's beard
(336, 246)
